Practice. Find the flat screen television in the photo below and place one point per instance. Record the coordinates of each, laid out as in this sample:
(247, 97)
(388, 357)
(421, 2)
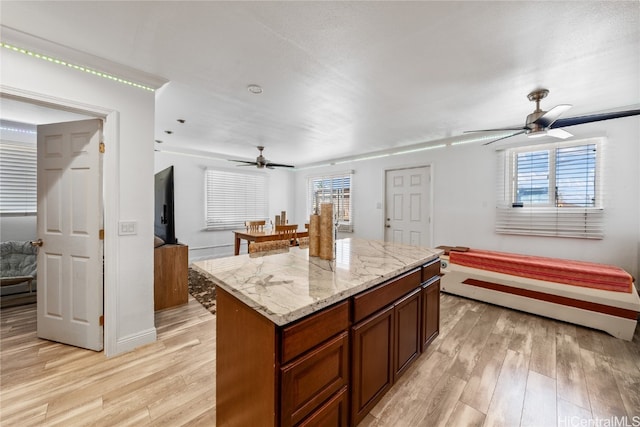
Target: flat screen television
(164, 216)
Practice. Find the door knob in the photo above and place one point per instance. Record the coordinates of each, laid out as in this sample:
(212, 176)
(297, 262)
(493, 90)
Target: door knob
(37, 243)
(388, 226)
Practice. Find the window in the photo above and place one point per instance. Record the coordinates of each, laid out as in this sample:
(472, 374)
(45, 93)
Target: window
(336, 189)
(18, 177)
(232, 198)
(551, 190)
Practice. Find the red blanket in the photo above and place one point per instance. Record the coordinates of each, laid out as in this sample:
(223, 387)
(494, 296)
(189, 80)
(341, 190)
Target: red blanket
(578, 273)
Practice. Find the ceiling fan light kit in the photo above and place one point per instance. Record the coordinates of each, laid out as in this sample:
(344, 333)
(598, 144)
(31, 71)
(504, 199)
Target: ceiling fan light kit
(547, 123)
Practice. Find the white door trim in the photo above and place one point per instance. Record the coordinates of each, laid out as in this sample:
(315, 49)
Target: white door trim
(430, 167)
(111, 185)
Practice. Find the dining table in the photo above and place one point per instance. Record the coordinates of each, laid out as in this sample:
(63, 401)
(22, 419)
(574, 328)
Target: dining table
(260, 236)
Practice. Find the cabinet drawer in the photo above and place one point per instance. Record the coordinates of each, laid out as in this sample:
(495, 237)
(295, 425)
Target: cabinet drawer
(368, 302)
(310, 380)
(313, 330)
(332, 414)
(430, 270)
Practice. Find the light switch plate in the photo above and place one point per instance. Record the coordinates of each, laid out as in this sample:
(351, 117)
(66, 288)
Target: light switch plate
(127, 228)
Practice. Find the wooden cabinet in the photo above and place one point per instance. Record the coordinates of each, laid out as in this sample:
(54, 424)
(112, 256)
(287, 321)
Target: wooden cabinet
(395, 322)
(329, 368)
(311, 379)
(407, 332)
(334, 413)
(372, 362)
(430, 312)
(170, 276)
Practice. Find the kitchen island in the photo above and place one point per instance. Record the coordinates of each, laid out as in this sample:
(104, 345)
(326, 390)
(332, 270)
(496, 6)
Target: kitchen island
(305, 341)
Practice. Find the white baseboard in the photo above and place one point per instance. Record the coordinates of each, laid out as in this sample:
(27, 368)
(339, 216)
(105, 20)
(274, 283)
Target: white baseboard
(131, 342)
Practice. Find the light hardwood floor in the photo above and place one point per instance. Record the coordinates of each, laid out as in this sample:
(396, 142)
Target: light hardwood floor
(489, 367)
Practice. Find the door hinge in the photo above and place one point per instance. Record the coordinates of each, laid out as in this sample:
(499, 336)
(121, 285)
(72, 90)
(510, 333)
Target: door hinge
(102, 147)
(101, 320)
(101, 234)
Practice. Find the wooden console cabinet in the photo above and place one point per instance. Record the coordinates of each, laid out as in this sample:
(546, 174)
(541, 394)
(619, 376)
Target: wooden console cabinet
(329, 368)
(170, 276)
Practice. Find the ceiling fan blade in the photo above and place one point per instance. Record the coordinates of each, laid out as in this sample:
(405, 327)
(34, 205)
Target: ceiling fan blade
(505, 137)
(495, 130)
(243, 161)
(559, 133)
(552, 115)
(278, 165)
(572, 121)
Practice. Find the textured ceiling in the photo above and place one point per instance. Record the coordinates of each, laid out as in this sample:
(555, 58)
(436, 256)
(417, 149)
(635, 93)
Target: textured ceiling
(346, 78)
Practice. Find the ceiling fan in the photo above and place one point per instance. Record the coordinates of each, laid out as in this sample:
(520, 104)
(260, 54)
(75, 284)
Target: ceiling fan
(261, 162)
(548, 123)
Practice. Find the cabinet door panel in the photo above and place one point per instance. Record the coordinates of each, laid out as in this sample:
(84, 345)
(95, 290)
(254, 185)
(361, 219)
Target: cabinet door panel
(311, 379)
(430, 312)
(372, 367)
(407, 331)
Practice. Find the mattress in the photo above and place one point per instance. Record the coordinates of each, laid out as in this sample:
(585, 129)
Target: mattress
(569, 272)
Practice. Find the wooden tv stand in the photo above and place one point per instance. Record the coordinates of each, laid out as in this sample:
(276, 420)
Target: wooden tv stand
(170, 276)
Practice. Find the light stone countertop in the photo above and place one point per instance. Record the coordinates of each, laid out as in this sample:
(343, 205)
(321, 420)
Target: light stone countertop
(285, 287)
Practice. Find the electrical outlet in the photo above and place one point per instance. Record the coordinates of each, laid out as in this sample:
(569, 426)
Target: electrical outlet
(127, 228)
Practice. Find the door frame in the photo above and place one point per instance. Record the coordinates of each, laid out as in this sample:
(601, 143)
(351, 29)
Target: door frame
(431, 196)
(110, 186)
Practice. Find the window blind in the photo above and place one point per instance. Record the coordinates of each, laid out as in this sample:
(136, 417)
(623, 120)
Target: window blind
(232, 198)
(336, 189)
(18, 177)
(551, 190)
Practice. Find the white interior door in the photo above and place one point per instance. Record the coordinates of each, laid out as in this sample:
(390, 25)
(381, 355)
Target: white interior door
(408, 206)
(70, 278)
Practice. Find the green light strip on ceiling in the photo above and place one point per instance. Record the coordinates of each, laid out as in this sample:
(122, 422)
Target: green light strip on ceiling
(76, 67)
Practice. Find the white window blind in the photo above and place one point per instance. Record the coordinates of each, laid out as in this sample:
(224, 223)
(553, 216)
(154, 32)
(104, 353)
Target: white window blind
(232, 198)
(552, 190)
(336, 189)
(18, 177)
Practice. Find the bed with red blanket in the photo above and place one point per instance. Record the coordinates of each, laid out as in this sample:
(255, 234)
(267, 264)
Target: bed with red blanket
(595, 295)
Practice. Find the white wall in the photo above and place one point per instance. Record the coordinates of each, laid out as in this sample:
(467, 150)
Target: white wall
(464, 198)
(128, 183)
(189, 202)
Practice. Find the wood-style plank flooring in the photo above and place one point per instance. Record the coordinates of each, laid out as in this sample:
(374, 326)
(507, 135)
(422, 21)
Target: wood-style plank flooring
(167, 383)
(490, 366)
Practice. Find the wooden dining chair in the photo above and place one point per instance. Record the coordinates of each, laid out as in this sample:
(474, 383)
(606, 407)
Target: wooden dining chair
(255, 225)
(288, 232)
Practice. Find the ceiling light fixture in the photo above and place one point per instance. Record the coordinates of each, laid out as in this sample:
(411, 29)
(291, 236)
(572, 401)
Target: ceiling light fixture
(75, 67)
(254, 89)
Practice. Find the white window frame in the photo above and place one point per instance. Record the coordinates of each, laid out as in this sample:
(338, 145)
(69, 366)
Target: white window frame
(548, 219)
(18, 178)
(338, 197)
(231, 198)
